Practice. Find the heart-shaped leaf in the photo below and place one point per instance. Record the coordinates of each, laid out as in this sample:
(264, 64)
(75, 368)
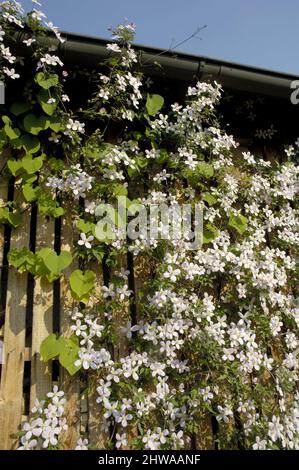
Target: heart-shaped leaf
(30, 193)
(45, 100)
(51, 347)
(238, 222)
(34, 125)
(154, 103)
(69, 354)
(19, 107)
(18, 258)
(12, 133)
(28, 142)
(32, 165)
(14, 166)
(81, 284)
(46, 81)
(57, 263)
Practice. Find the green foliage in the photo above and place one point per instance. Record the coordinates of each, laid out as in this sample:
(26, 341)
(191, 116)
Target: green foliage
(86, 227)
(11, 132)
(50, 347)
(34, 125)
(19, 107)
(43, 99)
(82, 284)
(153, 104)
(205, 170)
(49, 206)
(30, 193)
(15, 166)
(210, 232)
(46, 80)
(32, 165)
(238, 223)
(27, 142)
(64, 349)
(45, 263)
(57, 263)
(9, 217)
(209, 198)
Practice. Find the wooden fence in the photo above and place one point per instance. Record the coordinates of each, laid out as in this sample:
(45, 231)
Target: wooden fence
(31, 309)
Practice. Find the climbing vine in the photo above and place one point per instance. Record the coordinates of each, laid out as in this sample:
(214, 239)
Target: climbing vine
(216, 328)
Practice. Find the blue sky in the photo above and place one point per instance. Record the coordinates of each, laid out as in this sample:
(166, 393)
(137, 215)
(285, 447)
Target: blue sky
(264, 33)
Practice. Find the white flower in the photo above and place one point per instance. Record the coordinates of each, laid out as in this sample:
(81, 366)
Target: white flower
(51, 60)
(121, 440)
(56, 395)
(78, 328)
(82, 444)
(85, 241)
(75, 126)
(104, 94)
(27, 445)
(29, 41)
(11, 73)
(157, 368)
(113, 47)
(260, 444)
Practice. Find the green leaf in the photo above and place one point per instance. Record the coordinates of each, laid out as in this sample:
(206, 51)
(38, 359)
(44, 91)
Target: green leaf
(48, 206)
(85, 227)
(6, 120)
(32, 165)
(46, 81)
(14, 166)
(56, 164)
(19, 107)
(51, 347)
(153, 104)
(55, 124)
(120, 190)
(34, 125)
(30, 193)
(238, 222)
(210, 232)
(81, 284)
(28, 142)
(210, 198)
(57, 263)
(69, 354)
(17, 258)
(205, 169)
(15, 219)
(12, 133)
(43, 98)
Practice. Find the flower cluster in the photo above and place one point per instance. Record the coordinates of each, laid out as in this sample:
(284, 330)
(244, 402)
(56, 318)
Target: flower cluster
(46, 424)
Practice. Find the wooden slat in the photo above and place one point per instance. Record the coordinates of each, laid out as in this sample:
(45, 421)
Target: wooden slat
(70, 385)
(3, 197)
(11, 390)
(98, 439)
(42, 322)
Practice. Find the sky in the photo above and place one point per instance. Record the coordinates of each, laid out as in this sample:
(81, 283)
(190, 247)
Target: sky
(262, 33)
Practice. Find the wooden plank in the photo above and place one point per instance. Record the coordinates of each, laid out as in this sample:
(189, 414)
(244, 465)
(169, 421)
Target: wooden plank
(42, 322)
(70, 385)
(3, 197)
(11, 389)
(98, 439)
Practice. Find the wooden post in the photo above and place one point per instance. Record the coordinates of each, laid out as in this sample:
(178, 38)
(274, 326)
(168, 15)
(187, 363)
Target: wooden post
(11, 389)
(42, 323)
(97, 437)
(70, 385)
